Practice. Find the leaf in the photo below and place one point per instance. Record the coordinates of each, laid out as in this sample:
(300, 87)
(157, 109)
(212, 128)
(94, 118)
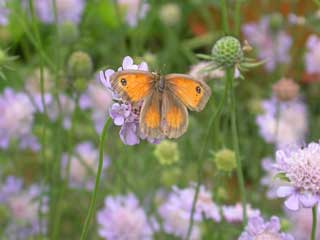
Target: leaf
(282, 176)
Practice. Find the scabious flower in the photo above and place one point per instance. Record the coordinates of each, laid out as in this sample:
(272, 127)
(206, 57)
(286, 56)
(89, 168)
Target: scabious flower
(134, 10)
(283, 123)
(123, 113)
(98, 101)
(16, 120)
(67, 10)
(268, 180)
(258, 229)
(301, 224)
(272, 46)
(176, 211)
(123, 218)
(312, 57)
(233, 214)
(23, 206)
(82, 166)
(4, 12)
(301, 169)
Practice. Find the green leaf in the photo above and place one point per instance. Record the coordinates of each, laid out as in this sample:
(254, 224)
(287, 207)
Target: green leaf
(282, 176)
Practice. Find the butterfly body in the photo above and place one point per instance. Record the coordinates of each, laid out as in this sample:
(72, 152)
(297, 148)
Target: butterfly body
(165, 99)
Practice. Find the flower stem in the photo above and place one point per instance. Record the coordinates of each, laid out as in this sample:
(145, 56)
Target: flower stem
(224, 10)
(96, 186)
(314, 222)
(237, 19)
(215, 116)
(230, 78)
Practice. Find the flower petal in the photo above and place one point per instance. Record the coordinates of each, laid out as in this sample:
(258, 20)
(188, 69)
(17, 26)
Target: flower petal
(308, 200)
(285, 191)
(292, 203)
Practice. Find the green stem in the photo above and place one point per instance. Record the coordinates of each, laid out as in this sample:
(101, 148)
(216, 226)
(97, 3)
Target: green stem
(224, 10)
(215, 116)
(237, 19)
(230, 78)
(314, 222)
(96, 186)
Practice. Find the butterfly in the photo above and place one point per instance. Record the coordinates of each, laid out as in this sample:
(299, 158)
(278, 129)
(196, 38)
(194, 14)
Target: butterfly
(165, 99)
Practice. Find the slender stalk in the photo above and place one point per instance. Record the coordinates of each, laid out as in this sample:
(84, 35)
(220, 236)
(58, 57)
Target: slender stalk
(215, 116)
(314, 222)
(237, 19)
(224, 10)
(230, 78)
(96, 186)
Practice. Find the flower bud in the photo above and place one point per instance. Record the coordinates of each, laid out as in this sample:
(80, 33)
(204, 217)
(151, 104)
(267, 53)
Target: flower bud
(225, 160)
(170, 14)
(167, 152)
(227, 51)
(286, 89)
(69, 33)
(80, 65)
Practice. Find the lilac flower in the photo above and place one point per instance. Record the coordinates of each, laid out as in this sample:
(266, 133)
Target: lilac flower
(301, 224)
(123, 218)
(301, 168)
(23, 208)
(312, 57)
(233, 214)
(135, 10)
(283, 123)
(67, 10)
(176, 211)
(98, 100)
(16, 120)
(83, 166)
(258, 229)
(268, 180)
(273, 47)
(4, 12)
(123, 113)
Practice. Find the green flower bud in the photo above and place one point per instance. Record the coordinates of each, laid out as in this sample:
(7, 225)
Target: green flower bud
(69, 33)
(276, 21)
(227, 51)
(170, 14)
(171, 176)
(80, 65)
(225, 160)
(167, 152)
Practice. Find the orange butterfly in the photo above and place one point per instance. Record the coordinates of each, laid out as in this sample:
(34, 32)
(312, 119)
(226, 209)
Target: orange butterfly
(165, 99)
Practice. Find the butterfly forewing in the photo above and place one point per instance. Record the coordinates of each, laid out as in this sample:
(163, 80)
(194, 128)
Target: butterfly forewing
(192, 93)
(132, 85)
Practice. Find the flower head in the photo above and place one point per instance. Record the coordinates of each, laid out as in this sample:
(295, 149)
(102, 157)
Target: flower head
(123, 218)
(176, 211)
(312, 57)
(272, 46)
(301, 169)
(167, 152)
(83, 165)
(134, 10)
(225, 160)
(67, 10)
(16, 120)
(283, 123)
(233, 214)
(258, 229)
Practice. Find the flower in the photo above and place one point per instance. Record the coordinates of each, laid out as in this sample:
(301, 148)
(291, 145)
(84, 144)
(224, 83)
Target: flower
(134, 9)
(167, 152)
(233, 214)
(16, 120)
(225, 160)
(123, 113)
(285, 89)
(123, 218)
(272, 46)
(312, 57)
(176, 211)
(283, 123)
(258, 229)
(4, 12)
(301, 224)
(67, 10)
(301, 169)
(98, 100)
(83, 165)
(268, 180)
(23, 208)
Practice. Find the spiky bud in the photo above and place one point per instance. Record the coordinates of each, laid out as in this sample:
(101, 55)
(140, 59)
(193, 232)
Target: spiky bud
(225, 160)
(167, 152)
(227, 51)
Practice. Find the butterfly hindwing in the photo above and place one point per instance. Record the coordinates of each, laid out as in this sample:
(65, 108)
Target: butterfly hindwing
(132, 85)
(174, 116)
(192, 93)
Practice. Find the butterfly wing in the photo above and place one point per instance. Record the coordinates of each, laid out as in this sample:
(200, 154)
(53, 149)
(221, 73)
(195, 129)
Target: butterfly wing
(150, 118)
(192, 93)
(174, 116)
(132, 85)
